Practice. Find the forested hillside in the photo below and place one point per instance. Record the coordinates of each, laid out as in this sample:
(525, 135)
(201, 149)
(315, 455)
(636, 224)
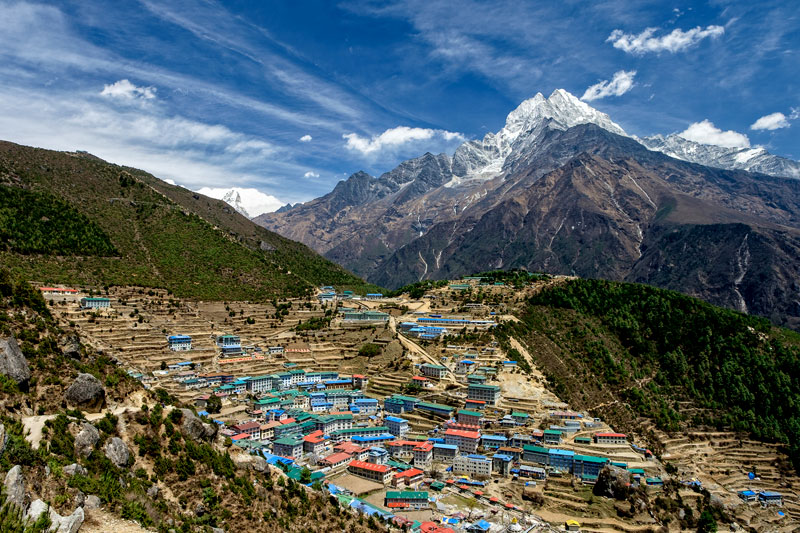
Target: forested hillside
(72, 218)
(633, 350)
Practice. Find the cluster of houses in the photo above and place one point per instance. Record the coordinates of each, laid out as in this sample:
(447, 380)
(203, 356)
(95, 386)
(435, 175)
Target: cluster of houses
(328, 294)
(435, 326)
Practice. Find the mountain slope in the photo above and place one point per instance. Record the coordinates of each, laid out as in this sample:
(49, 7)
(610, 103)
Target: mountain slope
(624, 351)
(562, 189)
(143, 231)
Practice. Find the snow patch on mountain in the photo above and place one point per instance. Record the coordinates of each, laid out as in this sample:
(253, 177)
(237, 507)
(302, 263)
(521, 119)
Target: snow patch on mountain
(247, 201)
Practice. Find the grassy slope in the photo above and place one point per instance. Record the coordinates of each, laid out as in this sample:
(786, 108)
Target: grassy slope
(629, 350)
(165, 236)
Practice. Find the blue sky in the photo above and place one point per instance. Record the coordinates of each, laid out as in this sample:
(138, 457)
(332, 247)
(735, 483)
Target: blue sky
(290, 97)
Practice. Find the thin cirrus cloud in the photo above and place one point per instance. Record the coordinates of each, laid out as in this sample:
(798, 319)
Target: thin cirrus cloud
(127, 90)
(705, 132)
(773, 121)
(675, 41)
(395, 138)
(619, 84)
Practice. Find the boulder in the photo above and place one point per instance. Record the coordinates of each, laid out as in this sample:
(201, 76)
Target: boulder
(80, 499)
(86, 440)
(92, 502)
(117, 452)
(71, 346)
(152, 492)
(13, 363)
(14, 486)
(86, 392)
(195, 428)
(73, 469)
(37, 508)
(259, 464)
(613, 482)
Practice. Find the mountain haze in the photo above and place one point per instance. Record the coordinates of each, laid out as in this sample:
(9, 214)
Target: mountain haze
(562, 189)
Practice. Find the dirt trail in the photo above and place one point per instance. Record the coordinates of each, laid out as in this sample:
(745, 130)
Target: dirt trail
(100, 521)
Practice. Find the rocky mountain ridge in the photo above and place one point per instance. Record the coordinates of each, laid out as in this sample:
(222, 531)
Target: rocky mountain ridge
(562, 189)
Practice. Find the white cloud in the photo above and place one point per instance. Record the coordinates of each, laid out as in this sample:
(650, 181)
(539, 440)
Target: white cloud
(306, 138)
(171, 182)
(396, 137)
(252, 200)
(795, 114)
(706, 133)
(310, 175)
(773, 121)
(125, 89)
(674, 41)
(621, 83)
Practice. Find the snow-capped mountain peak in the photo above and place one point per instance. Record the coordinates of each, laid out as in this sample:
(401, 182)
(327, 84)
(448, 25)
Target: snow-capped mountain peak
(486, 158)
(247, 201)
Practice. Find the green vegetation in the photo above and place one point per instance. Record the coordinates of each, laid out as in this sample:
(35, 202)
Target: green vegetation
(369, 350)
(314, 324)
(653, 348)
(514, 277)
(418, 289)
(122, 226)
(39, 223)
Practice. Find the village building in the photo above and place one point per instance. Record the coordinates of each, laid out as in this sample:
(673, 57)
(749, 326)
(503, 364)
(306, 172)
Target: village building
(406, 500)
(408, 477)
(552, 436)
(471, 418)
(397, 426)
(444, 452)
(472, 465)
(423, 454)
(433, 371)
(610, 438)
(467, 441)
(378, 473)
(179, 343)
(289, 446)
(487, 393)
(335, 460)
(95, 303)
(501, 464)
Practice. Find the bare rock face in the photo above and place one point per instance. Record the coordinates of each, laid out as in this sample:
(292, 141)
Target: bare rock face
(86, 440)
(117, 452)
(613, 482)
(14, 487)
(195, 428)
(86, 392)
(13, 363)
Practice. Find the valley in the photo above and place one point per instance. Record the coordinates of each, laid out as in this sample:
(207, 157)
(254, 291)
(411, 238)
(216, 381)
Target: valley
(430, 374)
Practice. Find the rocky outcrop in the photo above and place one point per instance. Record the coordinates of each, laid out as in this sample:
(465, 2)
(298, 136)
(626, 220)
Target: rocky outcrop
(613, 482)
(13, 363)
(117, 452)
(86, 440)
(58, 523)
(86, 392)
(196, 429)
(14, 487)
